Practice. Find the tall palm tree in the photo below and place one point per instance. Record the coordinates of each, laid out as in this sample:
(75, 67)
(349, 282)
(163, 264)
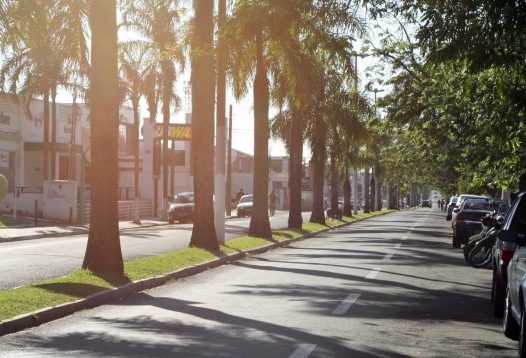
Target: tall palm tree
(45, 47)
(135, 68)
(203, 100)
(103, 252)
(159, 22)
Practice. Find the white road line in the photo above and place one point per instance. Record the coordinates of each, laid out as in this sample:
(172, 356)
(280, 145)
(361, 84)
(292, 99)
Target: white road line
(344, 306)
(404, 237)
(387, 257)
(303, 351)
(397, 246)
(373, 273)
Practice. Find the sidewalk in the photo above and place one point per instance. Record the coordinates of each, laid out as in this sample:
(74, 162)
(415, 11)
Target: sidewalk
(54, 229)
(9, 234)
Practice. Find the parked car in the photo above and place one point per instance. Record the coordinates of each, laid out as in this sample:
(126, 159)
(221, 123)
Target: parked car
(181, 209)
(501, 257)
(466, 218)
(514, 231)
(450, 206)
(426, 204)
(458, 204)
(244, 207)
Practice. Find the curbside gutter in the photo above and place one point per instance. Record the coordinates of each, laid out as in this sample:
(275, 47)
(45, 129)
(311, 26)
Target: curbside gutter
(49, 314)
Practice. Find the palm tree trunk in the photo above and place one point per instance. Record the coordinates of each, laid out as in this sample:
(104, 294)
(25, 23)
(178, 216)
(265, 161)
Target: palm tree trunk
(347, 208)
(53, 132)
(296, 170)
(374, 204)
(203, 99)
(167, 97)
(46, 134)
(366, 183)
(103, 253)
(378, 190)
(259, 222)
(318, 171)
(334, 185)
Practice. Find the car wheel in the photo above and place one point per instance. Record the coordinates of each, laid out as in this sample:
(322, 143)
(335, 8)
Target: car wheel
(509, 325)
(456, 240)
(522, 335)
(497, 296)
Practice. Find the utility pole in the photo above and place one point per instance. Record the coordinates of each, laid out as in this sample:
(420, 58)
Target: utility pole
(228, 196)
(355, 170)
(219, 206)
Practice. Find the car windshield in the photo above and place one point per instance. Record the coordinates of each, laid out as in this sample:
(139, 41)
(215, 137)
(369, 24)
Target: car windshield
(246, 199)
(478, 204)
(180, 199)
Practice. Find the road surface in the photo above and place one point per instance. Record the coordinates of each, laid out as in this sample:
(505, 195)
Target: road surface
(25, 262)
(390, 286)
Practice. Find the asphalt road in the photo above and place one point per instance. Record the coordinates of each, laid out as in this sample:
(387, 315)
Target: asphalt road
(391, 286)
(24, 262)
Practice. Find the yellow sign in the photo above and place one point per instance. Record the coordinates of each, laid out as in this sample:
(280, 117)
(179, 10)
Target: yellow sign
(175, 131)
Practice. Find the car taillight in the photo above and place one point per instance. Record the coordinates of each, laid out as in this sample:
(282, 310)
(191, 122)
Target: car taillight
(506, 255)
(507, 251)
(460, 217)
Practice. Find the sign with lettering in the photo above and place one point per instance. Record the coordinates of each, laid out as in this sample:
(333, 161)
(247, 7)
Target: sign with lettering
(175, 131)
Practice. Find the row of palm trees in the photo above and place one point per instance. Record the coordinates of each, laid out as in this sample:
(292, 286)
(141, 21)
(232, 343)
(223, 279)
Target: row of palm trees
(296, 54)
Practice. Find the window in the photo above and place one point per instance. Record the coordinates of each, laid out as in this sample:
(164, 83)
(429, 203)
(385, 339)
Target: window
(63, 167)
(276, 165)
(518, 221)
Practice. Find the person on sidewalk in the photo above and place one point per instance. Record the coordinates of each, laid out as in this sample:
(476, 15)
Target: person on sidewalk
(272, 198)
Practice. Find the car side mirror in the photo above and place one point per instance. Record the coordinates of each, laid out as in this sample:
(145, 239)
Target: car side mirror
(511, 236)
(456, 210)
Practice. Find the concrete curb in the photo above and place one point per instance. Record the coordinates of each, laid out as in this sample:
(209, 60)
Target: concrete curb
(49, 314)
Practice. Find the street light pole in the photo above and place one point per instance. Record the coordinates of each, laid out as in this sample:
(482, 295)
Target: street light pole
(219, 205)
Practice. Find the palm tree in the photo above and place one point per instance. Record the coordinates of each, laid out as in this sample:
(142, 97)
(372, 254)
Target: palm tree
(158, 22)
(135, 69)
(265, 36)
(45, 46)
(103, 252)
(202, 147)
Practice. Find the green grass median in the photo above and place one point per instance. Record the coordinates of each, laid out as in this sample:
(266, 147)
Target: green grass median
(82, 283)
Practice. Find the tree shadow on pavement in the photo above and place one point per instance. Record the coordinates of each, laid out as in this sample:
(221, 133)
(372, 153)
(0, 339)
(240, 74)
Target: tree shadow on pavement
(223, 335)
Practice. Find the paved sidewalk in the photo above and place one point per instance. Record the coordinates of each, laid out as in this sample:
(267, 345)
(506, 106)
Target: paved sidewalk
(56, 230)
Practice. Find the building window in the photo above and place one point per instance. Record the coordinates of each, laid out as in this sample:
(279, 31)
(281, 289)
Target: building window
(276, 165)
(63, 167)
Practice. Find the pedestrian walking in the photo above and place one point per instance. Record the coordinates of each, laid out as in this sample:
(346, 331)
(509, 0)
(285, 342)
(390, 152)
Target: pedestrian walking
(272, 198)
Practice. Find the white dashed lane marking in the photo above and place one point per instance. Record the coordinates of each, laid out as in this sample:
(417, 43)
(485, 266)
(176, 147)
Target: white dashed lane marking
(373, 273)
(344, 306)
(387, 257)
(397, 246)
(303, 351)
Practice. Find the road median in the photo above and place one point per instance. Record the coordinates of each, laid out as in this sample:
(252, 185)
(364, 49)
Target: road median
(32, 305)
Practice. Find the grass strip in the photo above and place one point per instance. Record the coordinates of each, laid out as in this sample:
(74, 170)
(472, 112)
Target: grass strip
(82, 283)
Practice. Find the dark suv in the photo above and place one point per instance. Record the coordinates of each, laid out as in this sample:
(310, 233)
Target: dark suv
(466, 218)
